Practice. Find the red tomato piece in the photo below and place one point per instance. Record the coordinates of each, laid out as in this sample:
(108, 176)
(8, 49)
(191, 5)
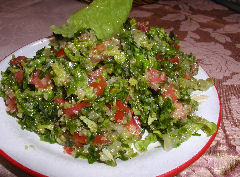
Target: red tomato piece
(174, 60)
(133, 127)
(95, 74)
(155, 77)
(68, 150)
(121, 111)
(123, 107)
(95, 59)
(97, 81)
(100, 139)
(119, 116)
(80, 139)
(40, 83)
(108, 105)
(99, 85)
(170, 93)
(187, 76)
(128, 98)
(60, 53)
(100, 47)
(159, 57)
(59, 100)
(144, 26)
(18, 76)
(11, 104)
(72, 111)
(18, 61)
(179, 112)
(176, 46)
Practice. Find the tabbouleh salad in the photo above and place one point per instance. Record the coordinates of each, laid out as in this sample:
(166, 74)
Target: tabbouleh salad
(98, 96)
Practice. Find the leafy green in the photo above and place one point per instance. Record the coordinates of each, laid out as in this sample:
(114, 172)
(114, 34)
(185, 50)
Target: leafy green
(61, 76)
(141, 145)
(177, 136)
(208, 127)
(91, 124)
(204, 85)
(105, 17)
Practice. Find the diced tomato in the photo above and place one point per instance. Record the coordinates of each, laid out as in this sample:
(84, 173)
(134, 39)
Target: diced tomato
(100, 47)
(170, 93)
(100, 139)
(176, 46)
(79, 139)
(95, 74)
(159, 57)
(108, 105)
(144, 26)
(119, 116)
(133, 127)
(97, 81)
(40, 83)
(73, 111)
(60, 53)
(174, 60)
(128, 98)
(95, 58)
(187, 76)
(18, 61)
(121, 111)
(18, 76)
(59, 100)
(123, 107)
(180, 111)
(99, 85)
(11, 104)
(68, 150)
(155, 77)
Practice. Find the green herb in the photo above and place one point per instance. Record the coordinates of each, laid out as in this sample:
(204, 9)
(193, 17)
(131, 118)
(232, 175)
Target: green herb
(105, 17)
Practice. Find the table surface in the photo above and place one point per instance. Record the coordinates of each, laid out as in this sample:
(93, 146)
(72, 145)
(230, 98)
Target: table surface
(208, 30)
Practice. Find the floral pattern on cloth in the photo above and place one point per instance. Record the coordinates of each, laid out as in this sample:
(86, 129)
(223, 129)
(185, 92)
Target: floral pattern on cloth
(209, 30)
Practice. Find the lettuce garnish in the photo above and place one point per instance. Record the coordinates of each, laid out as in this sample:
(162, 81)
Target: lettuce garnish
(105, 17)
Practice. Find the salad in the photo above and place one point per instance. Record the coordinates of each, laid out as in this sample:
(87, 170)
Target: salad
(107, 94)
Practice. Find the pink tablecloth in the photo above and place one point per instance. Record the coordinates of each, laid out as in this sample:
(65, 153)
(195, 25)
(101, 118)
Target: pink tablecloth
(208, 30)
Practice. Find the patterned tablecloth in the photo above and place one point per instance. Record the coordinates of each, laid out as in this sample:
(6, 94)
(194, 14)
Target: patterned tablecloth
(208, 30)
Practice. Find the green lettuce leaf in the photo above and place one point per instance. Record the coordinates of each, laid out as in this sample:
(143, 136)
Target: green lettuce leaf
(91, 124)
(105, 17)
(177, 136)
(208, 127)
(142, 145)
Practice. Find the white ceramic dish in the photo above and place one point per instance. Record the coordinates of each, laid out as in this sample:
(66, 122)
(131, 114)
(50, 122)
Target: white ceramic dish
(25, 150)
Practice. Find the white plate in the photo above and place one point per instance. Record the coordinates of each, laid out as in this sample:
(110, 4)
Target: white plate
(25, 150)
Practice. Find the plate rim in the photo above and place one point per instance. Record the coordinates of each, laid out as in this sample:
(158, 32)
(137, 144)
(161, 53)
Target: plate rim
(172, 172)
